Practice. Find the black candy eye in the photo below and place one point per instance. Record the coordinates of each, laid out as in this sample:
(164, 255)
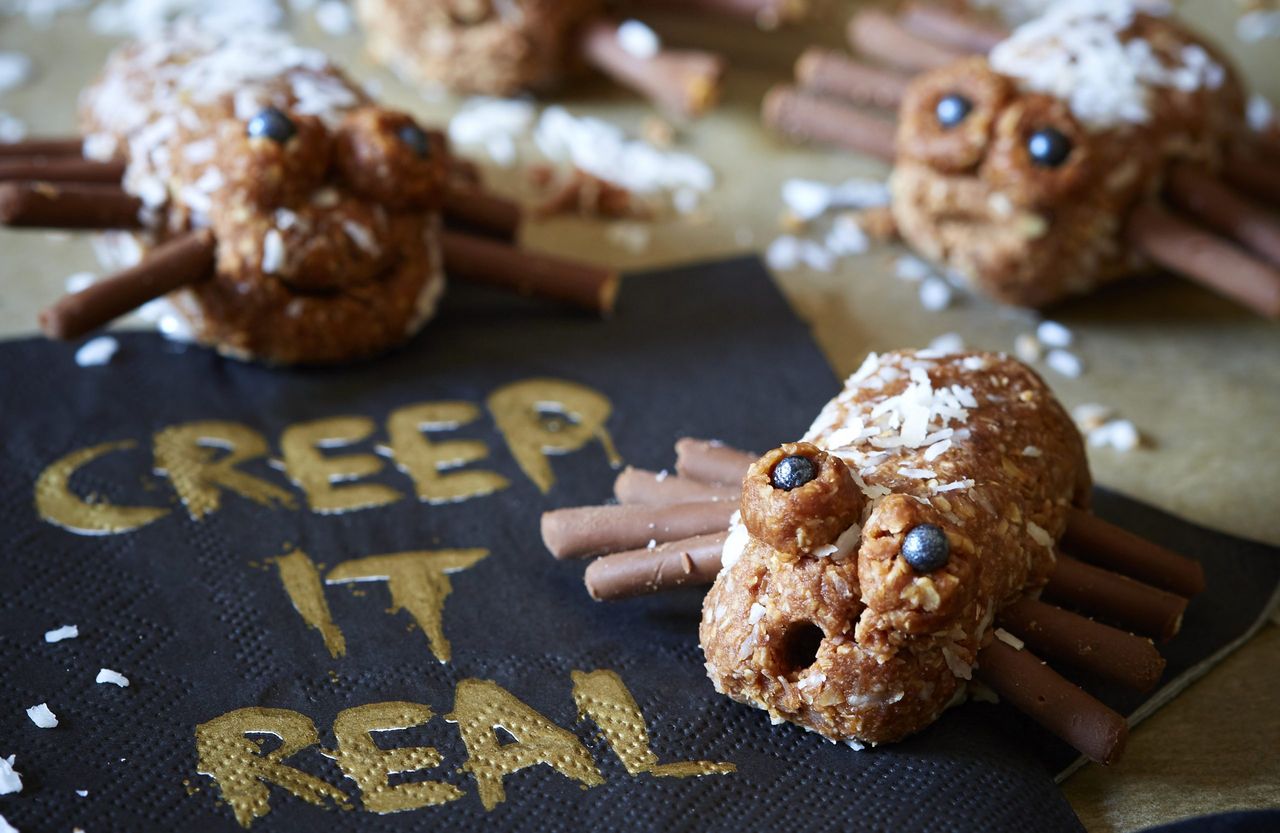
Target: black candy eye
(952, 109)
(793, 472)
(416, 138)
(272, 124)
(1048, 147)
(925, 548)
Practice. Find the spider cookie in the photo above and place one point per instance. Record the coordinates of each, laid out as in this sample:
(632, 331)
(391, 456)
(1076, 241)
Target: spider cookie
(896, 553)
(1092, 143)
(286, 217)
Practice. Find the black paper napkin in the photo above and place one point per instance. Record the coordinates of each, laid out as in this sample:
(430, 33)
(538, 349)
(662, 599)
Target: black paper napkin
(195, 612)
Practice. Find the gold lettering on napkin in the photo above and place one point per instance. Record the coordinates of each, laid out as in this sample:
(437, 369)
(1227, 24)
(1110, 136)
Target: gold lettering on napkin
(60, 506)
(301, 581)
(427, 462)
(604, 699)
(370, 766)
(200, 459)
(316, 473)
(419, 583)
(540, 417)
(482, 706)
(243, 771)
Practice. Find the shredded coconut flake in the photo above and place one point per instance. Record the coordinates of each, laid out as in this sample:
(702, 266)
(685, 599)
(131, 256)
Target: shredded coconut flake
(1009, 639)
(638, 40)
(1039, 534)
(64, 632)
(1053, 334)
(10, 778)
(43, 716)
(1066, 363)
(106, 675)
(97, 351)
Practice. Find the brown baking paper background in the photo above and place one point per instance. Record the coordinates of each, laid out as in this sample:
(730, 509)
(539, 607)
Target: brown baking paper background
(197, 613)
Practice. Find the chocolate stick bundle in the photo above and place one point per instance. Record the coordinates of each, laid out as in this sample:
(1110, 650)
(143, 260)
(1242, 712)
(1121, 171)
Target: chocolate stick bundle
(1112, 587)
(43, 185)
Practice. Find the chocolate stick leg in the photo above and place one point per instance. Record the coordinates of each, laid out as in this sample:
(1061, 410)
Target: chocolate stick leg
(43, 147)
(1092, 539)
(1116, 598)
(808, 118)
(949, 28)
(592, 530)
(689, 562)
(826, 72)
(1054, 702)
(59, 169)
(1083, 643)
(472, 209)
(1220, 208)
(46, 205)
(180, 262)
(661, 489)
(709, 461)
(1192, 251)
(529, 273)
(684, 82)
(878, 34)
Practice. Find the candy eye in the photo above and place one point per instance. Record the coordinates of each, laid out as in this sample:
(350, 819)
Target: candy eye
(793, 472)
(272, 124)
(416, 139)
(952, 109)
(1048, 147)
(926, 548)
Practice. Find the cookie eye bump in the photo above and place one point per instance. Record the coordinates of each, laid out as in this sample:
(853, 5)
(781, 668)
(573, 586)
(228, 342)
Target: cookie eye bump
(415, 138)
(952, 109)
(272, 123)
(793, 472)
(926, 548)
(1048, 147)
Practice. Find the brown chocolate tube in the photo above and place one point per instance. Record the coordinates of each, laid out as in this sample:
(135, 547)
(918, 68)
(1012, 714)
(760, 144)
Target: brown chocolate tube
(1258, 178)
(1222, 209)
(826, 72)
(1206, 258)
(1083, 643)
(692, 561)
(592, 530)
(709, 461)
(1042, 694)
(685, 82)
(654, 489)
(42, 147)
(55, 169)
(879, 35)
(473, 210)
(809, 118)
(1115, 598)
(180, 262)
(477, 259)
(1092, 539)
(46, 205)
(950, 28)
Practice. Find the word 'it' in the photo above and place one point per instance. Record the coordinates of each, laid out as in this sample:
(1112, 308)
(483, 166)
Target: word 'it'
(244, 774)
(418, 582)
(202, 460)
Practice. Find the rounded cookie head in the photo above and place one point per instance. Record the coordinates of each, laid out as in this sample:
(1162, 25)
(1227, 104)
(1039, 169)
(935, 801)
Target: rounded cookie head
(799, 499)
(388, 157)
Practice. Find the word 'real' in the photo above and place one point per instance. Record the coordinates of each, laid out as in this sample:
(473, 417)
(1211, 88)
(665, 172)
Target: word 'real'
(244, 773)
(201, 460)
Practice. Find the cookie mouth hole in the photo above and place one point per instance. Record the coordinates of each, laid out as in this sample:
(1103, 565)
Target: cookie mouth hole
(797, 648)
